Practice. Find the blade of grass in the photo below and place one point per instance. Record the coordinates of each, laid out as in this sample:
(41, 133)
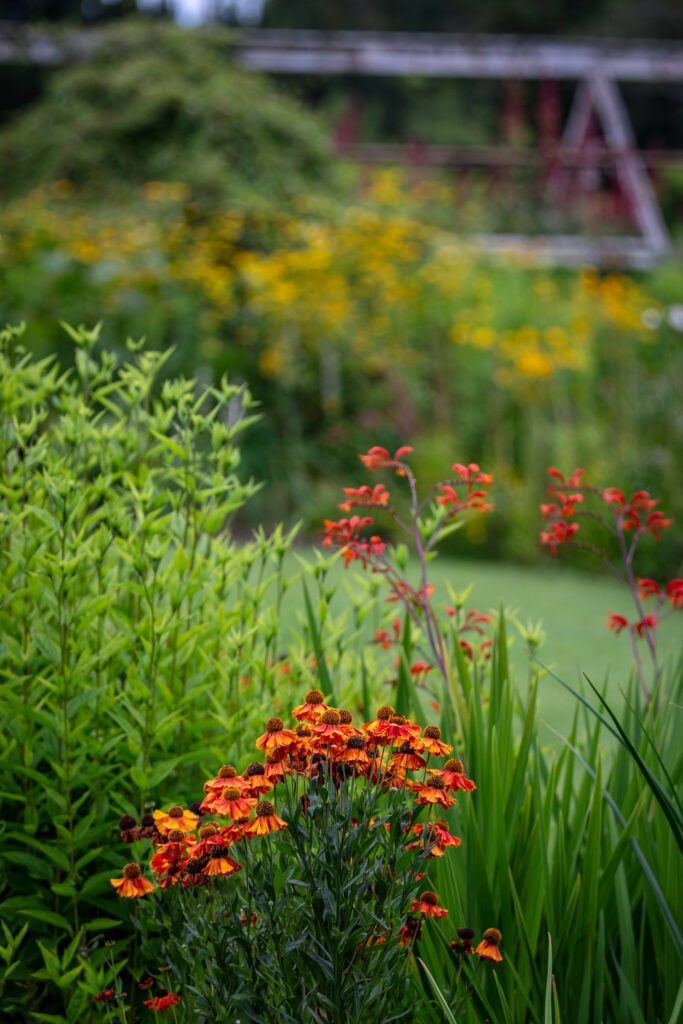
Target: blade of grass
(323, 674)
(438, 993)
(671, 812)
(647, 870)
(548, 1011)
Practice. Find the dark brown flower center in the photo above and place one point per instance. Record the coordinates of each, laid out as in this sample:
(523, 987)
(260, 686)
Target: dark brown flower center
(132, 871)
(430, 897)
(231, 793)
(175, 812)
(274, 725)
(355, 743)
(330, 717)
(384, 712)
(227, 772)
(264, 809)
(432, 732)
(454, 765)
(314, 697)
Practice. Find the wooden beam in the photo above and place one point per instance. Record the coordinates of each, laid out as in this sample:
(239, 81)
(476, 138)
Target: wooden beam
(453, 56)
(498, 156)
(389, 53)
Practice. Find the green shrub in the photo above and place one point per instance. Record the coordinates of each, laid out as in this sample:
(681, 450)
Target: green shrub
(134, 641)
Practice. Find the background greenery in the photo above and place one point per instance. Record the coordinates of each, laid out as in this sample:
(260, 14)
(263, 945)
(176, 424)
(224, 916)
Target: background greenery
(162, 191)
(145, 629)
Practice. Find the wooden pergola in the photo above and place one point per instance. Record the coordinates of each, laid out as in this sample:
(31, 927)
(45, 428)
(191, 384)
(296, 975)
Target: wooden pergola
(597, 67)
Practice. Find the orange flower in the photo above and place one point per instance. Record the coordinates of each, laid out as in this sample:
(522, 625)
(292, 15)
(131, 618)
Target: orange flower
(378, 726)
(276, 737)
(432, 792)
(399, 729)
(488, 947)
(167, 862)
(431, 742)
(175, 817)
(329, 728)
(265, 822)
(354, 753)
(220, 863)
(428, 904)
(233, 804)
(453, 774)
(434, 837)
(405, 759)
(132, 884)
(256, 781)
(312, 707)
(227, 776)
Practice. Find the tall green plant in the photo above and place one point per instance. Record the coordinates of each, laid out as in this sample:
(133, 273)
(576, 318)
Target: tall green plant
(131, 628)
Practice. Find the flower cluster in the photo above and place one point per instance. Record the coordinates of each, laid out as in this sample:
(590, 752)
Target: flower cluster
(346, 535)
(637, 513)
(624, 520)
(191, 849)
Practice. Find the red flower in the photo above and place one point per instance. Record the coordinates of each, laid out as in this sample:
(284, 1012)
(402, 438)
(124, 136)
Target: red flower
(428, 904)
(345, 535)
(573, 481)
(162, 1001)
(616, 622)
(559, 533)
(488, 947)
(656, 522)
(613, 496)
(646, 624)
(647, 588)
(472, 474)
(133, 884)
(379, 458)
(453, 774)
(385, 638)
(674, 591)
(641, 500)
(365, 496)
(434, 837)
(106, 996)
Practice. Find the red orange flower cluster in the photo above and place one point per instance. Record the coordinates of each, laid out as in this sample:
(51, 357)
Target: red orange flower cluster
(628, 519)
(379, 458)
(193, 849)
(637, 513)
(346, 534)
(475, 495)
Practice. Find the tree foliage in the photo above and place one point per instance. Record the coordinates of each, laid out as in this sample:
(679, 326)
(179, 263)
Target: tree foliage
(157, 103)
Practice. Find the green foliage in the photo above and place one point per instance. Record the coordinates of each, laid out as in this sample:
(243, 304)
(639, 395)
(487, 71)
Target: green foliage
(572, 845)
(155, 102)
(310, 929)
(131, 630)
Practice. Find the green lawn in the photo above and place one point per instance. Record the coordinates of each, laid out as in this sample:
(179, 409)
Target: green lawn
(572, 608)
